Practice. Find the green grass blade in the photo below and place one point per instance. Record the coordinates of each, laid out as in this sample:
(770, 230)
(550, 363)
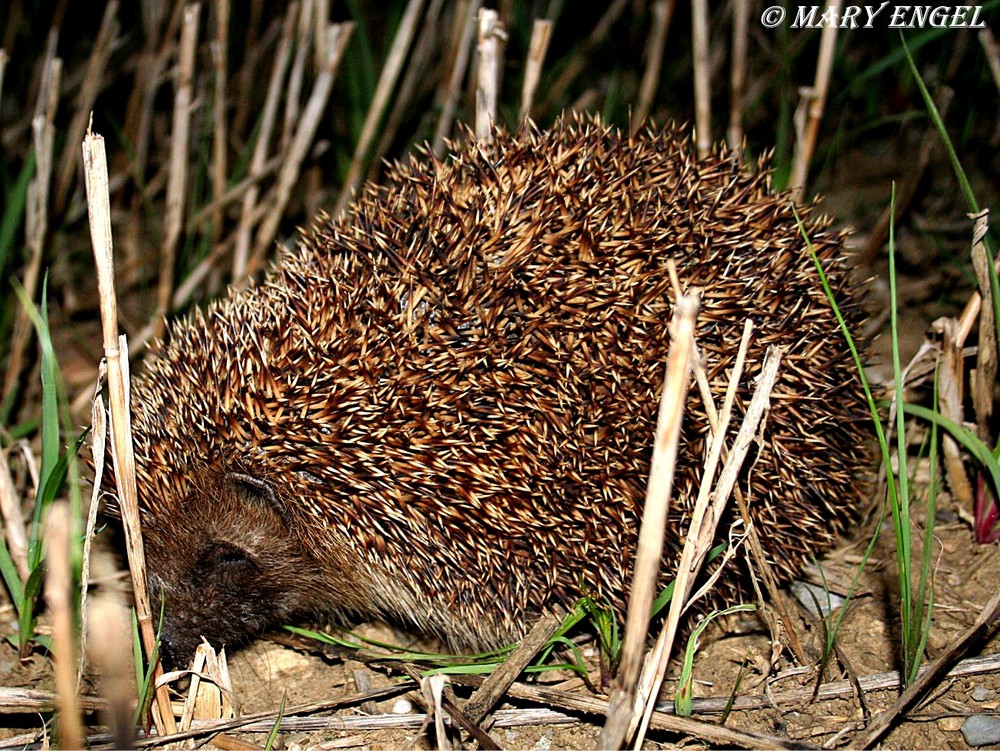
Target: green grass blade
(50, 414)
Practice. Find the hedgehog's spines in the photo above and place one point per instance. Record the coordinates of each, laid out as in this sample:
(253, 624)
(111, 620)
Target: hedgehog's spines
(453, 386)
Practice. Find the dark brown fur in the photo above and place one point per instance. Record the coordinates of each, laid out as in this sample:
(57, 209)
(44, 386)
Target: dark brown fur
(439, 409)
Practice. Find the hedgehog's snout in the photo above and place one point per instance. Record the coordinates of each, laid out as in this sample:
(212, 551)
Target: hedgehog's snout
(225, 569)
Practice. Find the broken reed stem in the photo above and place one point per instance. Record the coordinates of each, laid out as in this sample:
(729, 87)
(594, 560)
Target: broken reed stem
(244, 231)
(738, 74)
(36, 217)
(649, 550)
(817, 101)
(662, 12)
(59, 598)
(337, 38)
(99, 56)
(3, 67)
(705, 517)
(177, 180)
(702, 83)
(489, 47)
(98, 202)
(386, 85)
(458, 68)
(220, 134)
(541, 31)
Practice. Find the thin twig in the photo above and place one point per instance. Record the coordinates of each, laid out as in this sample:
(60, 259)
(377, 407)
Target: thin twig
(416, 76)
(293, 92)
(458, 68)
(281, 59)
(37, 217)
(663, 12)
(984, 625)
(582, 56)
(386, 85)
(177, 181)
(336, 43)
(496, 685)
(92, 80)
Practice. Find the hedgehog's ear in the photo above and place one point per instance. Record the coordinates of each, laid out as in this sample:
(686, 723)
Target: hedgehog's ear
(258, 491)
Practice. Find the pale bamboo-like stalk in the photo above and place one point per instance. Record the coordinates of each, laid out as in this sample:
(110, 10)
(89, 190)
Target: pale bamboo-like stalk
(244, 230)
(662, 11)
(541, 32)
(3, 67)
(36, 216)
(337, 37)
(99, 56)
(649, 550)
(458, 68)
(738, 72)
(177, 179)
(386, 84)
(702, 78)
(491, 37)
(817, 101)
(706, 515)
(96, 182)
(219, 131)
(58, 597)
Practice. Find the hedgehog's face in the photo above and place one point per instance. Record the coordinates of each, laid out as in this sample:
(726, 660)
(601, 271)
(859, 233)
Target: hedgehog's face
(227, 565)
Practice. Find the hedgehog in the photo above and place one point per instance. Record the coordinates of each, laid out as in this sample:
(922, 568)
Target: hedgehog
(438, 409)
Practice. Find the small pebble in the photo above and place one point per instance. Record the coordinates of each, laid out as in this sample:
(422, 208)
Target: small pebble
(981, 730)
(402, 706)
(804, 593)
(980, 693)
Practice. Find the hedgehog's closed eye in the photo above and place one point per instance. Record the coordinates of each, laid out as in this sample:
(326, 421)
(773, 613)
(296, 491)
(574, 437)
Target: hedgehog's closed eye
(225, 556)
